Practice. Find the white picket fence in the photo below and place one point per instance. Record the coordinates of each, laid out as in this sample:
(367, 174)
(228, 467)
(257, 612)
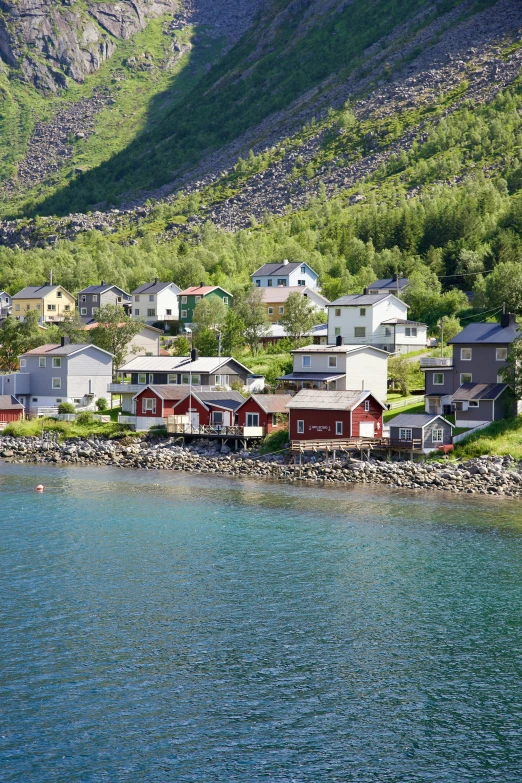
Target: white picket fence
(406, 401)
(464, 435)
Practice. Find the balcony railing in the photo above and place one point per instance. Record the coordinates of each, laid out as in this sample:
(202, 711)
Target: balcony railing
(181, 428)
(134, 388)
(434, 362)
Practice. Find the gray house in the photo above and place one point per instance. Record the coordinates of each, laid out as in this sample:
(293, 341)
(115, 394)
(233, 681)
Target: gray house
(476, 404)
(420, 431)
(65, 373)
(6, 304)
(95, 296)
(479, 354)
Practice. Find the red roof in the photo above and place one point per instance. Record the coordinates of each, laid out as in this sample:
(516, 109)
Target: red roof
(201, 290)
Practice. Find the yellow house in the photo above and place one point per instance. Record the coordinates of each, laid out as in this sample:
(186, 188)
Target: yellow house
(274, 300)
(53, 302)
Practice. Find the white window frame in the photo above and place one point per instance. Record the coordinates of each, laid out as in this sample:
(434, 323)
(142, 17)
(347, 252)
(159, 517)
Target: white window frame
(301, 283)
(137, 298)
(462, 374)
(252, 420)
(170, 376)
(22, 363)
(57, 362)
(337, 312)
(366, 406)
(473, 404)
(466, 358)
(222, 380)
(136, 311)
(306, 361)
(270, 310)
(337, 331)
(183, 300)
(405, 433)
(414, 331)
(437, 435)
(151, 312)
(148, 405)
(282, 310)
(359, 329)
(95, 297)
(140, 376)
(303, 269)
(407, 331)
(300, 426)
(438, 375)
(332, 361)
(42, 361)
(504, 354)
(151, 297)
(225, 300)
(183, 313)
(362, 312)
(338, 428)
(275, 422)
(214, 420)
(83, 311)
(59, 294)
(57, 383)
(83, 298)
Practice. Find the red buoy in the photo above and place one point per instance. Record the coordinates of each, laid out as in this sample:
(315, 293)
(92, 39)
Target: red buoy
(40, 488)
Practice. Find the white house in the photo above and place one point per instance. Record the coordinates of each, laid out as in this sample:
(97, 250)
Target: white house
(156, 302)
(145, 343)
(337, 368)
(6, 304)
(380, 320)
(285, 275)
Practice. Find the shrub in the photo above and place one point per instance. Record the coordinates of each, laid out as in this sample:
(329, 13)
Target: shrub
(66, 407)
(85, 417)
(101, 404)
(276, 441)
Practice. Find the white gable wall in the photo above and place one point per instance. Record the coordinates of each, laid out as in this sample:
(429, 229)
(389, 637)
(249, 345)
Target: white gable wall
(351, 318)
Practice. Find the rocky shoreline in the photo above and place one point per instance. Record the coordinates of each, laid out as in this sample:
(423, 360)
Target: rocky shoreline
(480, 475)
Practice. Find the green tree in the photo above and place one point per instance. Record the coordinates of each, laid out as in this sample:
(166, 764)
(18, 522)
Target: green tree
(299, 316)
(512, 372)
(233, 332)
(72, 327)
(209, 313)
(114, 332)
(400, 371)
(17, 337)
(182, 346)
(451, 328)
(504, 287)
(253, 314)
(205, 341)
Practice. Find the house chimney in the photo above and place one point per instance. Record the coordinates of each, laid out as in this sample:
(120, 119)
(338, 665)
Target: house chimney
(156, 281)
(285, 261)
(395, 277)
(64, 340)
(102, 282)
(201, 285)
(507, 319)
(339, 340)
(194, 355)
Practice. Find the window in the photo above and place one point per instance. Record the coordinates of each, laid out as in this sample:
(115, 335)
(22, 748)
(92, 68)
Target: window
(57, 383)
(183, 313)
(42, 361)
(307, 361)
(222, 380)
(414, 331)
(17, 307)
(465, 354)
(172, 378)
(407, 331)
(362, 311)
(337, 312)
(501, 354)
(195, 379)
(136, 311)
(34, 399)
(59, 294)
(118, 299)
(337, 331)
(274, 420)
(83, 311)
(136, 299)
(151, 297)
(22, 363)
(252, 419)
(38, 306)
(387, 331)
(270, 311)
(51, 307)
(281, 282)
(151, 378)
(95, 298)
(281, 311)
(183, 300)
(333, 386)
(197, 298)
(301, 283)
(258, 283)
(359, 331)
(83, 298)
(437, 436)
(269, 283)
(225, 300)
(168, 312)
(142, 378)
(405, 434)
(59, 399)
(28, 307)
(466, 377)
(303, 270)
(338, 428)
(332, 361)
(367, 405)
(300, 427)
(151, 312)
(67, 308)
(438, 379)
(77, 401)
(500, 379)
(57, 362)
(148, 405)
(473, 403)
(94, 310)
(217, 417)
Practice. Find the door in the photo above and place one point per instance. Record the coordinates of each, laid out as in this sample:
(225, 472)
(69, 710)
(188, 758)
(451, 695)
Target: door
(366, 429)
(194, 419)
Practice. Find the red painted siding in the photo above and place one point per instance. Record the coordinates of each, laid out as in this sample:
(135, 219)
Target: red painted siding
(149, 394)
(265, 419)
(373, 415)
(11, 415)
(321, 424)
(182, 409)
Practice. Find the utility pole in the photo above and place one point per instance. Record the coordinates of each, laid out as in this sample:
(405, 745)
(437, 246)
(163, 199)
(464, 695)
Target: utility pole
(442, 320)
(51, 277)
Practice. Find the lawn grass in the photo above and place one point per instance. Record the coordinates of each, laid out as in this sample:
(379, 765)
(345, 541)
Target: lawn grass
(501, 437)
(414, 407)
(64, 429)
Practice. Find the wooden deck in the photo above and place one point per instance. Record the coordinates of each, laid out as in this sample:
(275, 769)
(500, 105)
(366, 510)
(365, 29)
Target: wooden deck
(355, 444)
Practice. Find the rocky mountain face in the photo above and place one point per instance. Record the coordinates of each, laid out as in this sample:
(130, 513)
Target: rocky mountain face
(48, 41)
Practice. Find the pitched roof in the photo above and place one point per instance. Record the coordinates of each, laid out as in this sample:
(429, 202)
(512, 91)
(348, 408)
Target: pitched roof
(267, 270)
(360, 300)
(337, 349)
(8, 402)
(329, 400)
(152, 288)
(178, 392)
(389, 282)
(281, 293)
(311, 376)
(403, 321)
(202, 290)
(93, 324)
(270, 403)
(53, 349)
(479, 391)
(37, 291)
(100, 289)
(154, 364)
(416, 420)
(486, 333)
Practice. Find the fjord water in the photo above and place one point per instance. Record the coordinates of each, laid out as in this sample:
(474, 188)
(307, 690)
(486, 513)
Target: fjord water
(168, 627)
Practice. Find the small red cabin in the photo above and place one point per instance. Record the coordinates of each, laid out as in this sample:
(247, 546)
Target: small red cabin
(10, 409)
(334, 415)
(203, 408)
(264, 410)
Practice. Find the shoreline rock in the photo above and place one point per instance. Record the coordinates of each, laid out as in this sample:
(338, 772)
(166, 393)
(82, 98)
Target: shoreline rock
(479, 475)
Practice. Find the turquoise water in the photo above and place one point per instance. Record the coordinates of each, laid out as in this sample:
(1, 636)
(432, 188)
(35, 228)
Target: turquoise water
(159, 627)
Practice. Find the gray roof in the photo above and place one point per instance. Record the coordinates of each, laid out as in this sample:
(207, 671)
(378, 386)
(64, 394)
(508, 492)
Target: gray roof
(310, 376)
(270, 403)
(151, 288)
(277, 269)
(35, 291)
(389, 282)
(51, 349)
(358, 300)
(416, 420)
(313, 399)
(403, 321)
(8, 402)
(100, 289)
(479, 391)
(486, 333)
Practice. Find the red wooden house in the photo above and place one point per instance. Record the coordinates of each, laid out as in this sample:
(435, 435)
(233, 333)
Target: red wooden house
(334, 415)
(264, 410)
(155, 403)
(10, 409)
